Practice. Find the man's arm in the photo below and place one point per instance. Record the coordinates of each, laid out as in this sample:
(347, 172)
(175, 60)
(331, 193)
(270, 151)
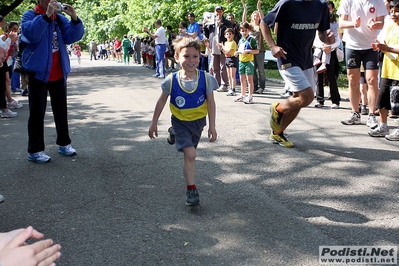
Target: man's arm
(277, 51)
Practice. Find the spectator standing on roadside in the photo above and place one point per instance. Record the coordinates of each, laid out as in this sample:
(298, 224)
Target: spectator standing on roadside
(215, 34)
(126, 46)
(389, 75)
(137, 49)
(93, 49)
(361, 21)
(193, 29)
(118, 50)
(259, 58)
(160, 48)
(46, 60)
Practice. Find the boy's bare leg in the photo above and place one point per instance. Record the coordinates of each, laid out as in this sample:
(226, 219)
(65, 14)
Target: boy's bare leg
(188, 165)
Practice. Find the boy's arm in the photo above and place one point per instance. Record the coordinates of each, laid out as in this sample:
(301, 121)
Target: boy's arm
(157, 112)
(212, 135)
(384, 47)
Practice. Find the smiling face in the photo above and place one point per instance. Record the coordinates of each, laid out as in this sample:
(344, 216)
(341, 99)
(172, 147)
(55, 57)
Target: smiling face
(189, 58)
(394, 12)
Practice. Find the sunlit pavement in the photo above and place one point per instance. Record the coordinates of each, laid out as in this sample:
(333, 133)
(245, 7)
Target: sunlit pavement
(121, 199)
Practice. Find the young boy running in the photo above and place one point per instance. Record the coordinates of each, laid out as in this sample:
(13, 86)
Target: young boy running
(247, 47)
(389, 74)
(191, 99)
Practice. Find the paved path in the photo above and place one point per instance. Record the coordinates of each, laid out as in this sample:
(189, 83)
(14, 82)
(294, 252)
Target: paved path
(121, 200)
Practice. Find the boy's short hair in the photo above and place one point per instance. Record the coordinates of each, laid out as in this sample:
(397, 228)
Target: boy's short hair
(331, 3)
(185, 42)
(394, 3)
(191, 14)
(229, 30)
(246, 25)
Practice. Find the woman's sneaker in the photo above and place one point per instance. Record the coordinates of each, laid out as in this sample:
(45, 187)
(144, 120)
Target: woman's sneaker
(38, 157)
(8, 114)
(66, 150)
(239, 98)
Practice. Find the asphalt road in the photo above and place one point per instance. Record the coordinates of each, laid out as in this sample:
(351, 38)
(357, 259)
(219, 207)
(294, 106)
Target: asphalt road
(121, 200)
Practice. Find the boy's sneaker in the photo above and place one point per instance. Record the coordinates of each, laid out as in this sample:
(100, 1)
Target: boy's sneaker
(38, 157)
(248, 100)
(231, 93)
(335, 106)
(281, 140)
(171, 138)
(155, 76)
(14, 104)
(8, 114)
(285, 94)
(66, 150)
(379, 131)
(319, 105)
(25, 92)
(363, 110)
(222, 88)
(259, 91)
(394, 136)
(275, 118)
(192, 197)
(353, 119)
(372, 122)
(239, 98)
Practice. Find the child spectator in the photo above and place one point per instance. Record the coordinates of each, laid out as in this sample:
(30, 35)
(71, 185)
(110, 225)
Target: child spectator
(77, 52)
(229, 48)
(246, 49)
(191, 99)
(389, 74)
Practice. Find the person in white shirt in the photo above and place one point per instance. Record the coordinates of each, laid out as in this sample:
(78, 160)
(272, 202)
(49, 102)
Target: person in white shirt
(361, 21)
(160, 48)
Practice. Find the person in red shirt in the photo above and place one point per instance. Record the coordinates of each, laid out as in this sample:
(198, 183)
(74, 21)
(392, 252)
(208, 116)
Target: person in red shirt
(118, 49)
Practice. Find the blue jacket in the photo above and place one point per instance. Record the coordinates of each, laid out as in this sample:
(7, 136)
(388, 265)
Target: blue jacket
(37, 33)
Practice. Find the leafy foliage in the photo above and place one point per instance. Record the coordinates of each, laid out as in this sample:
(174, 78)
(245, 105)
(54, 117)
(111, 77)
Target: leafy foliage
(107, 19)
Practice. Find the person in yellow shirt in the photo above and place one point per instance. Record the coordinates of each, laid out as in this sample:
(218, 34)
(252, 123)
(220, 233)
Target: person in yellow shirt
(229, 48)
(388, 95)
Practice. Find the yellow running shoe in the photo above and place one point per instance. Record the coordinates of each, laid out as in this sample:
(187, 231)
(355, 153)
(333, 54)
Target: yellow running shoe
(280, 139)
(275, 118)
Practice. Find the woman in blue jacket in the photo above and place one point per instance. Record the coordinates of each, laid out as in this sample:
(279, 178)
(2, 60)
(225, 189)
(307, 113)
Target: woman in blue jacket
(46, 33)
